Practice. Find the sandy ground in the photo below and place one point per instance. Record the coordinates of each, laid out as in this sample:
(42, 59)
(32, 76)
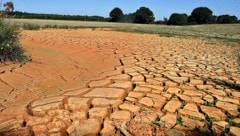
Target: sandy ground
(93, 81)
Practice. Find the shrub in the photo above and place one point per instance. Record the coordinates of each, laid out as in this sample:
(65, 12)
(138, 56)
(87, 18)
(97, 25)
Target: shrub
(10, 49)
(31, 27)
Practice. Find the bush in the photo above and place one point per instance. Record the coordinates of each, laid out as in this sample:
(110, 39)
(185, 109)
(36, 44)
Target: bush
(31, 27)
(10, 50)
(178, 19)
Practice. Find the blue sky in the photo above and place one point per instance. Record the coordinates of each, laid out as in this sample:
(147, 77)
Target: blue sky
(161, 8)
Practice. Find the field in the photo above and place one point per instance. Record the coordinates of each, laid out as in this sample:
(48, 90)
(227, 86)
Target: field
(116, 79)
(225, 32)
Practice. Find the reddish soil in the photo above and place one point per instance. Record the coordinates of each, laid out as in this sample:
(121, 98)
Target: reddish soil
(94, 81)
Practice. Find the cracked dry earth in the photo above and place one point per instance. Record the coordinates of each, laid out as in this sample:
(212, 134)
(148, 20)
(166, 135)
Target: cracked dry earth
(99, 82)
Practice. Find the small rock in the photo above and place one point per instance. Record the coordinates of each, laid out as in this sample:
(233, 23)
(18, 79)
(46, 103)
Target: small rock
(192, 114)
(146, 117)
(149, 102)
(98, 113)
(236, 121)
(217, 92)
(121, 115)
(39, 129)
(103, 102)
(122, 77)
(174, 90)
(169, 120)
(142, 89)
(129, 107)
(213, 112)
(196, 82)
(100, 83)
(137, 95)
(191, 107)
(75, 103)
(227, 99)
(209, 98)
(173, 105)
(77, 92)
(71, 130)
(113, 93)
(235, 94)
(88, 127)
(231, 108)
(124, 85)
(108, 128)
(192, 124)
(219, 126)
(235, 131)
(138, 78)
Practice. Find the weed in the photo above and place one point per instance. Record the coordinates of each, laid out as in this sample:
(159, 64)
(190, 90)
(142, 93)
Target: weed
(193, 117)
(206, 91)
(210, 104)
(179, 120)
(203, 133)
(183, 104)
(229, 119)
(170, 98)
(164, 111)
(31, 27)
(210, 121)
(225, 131)
(219, 87)
(10, 49)
(159, 123)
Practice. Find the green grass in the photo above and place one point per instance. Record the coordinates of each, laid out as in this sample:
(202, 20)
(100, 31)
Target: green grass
(229, 33)
(30, 27)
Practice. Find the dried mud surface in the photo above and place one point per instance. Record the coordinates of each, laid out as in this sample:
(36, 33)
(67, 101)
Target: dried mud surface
(94, 81)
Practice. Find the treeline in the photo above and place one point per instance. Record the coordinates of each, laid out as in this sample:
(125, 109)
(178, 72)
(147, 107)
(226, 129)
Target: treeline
(143, 15)
(26, 15)
(200, 15)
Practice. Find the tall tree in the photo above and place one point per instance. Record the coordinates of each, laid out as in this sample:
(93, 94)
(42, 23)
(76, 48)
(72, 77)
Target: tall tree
(201, 15)
(128, 18)
(144, 16)
(9, 8)
(227, 19)
(178, 19)
(116, 14)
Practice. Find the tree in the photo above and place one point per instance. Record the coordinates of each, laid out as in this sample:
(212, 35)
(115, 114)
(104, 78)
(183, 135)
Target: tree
(201, 15)
(178, 19)
(214, 19)
(144, 16)
(227, 19)
(128, 18)
(116, 15)
(9, 8)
